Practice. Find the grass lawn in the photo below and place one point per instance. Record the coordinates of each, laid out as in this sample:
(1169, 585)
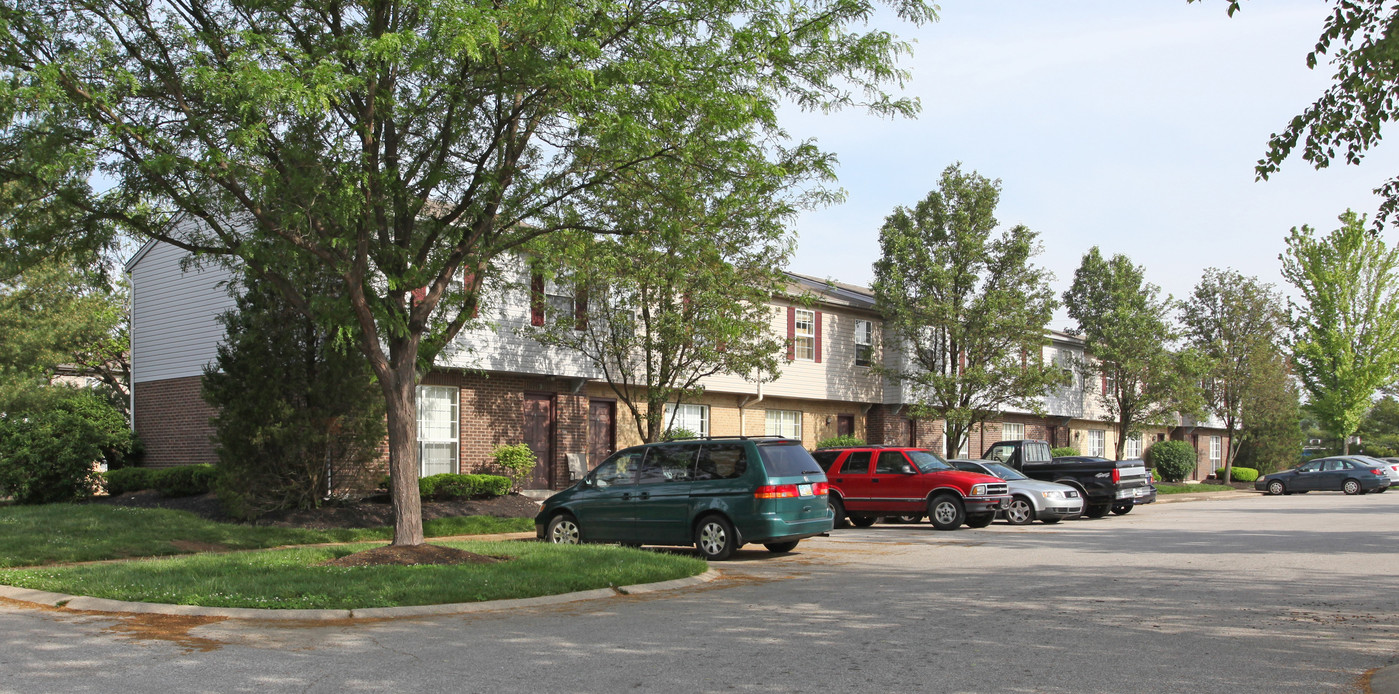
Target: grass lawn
(1184, 488)
(288, 578)
(57, 533)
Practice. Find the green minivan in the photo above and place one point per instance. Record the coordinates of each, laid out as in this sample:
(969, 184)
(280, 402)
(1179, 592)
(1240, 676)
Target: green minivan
(714, 493)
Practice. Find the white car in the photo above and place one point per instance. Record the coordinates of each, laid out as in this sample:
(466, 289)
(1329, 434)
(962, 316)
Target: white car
(1390, 465)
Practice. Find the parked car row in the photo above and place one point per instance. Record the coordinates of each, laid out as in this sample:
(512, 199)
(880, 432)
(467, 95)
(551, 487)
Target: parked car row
(721, 493)
(1352, 474)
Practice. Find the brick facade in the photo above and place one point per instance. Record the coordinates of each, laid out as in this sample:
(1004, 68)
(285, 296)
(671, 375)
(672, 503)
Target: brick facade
(173, 422)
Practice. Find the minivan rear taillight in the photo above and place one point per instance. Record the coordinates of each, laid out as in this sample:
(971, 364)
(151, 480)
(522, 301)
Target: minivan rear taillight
(776, 491)
(821, 488)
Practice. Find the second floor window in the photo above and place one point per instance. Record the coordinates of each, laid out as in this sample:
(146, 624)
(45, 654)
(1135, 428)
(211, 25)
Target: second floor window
(864, 342)
(805, 335)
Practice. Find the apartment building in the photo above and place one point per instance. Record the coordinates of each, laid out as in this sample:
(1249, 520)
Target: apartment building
(494, 384)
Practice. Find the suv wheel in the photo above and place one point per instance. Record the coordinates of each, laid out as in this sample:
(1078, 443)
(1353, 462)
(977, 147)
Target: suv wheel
(563, 530)
(1020, 512)
(715, 538)
(837, 510)
(1096, 510)
(945, 512)
(980, 520)
(1122, 509)
(863, 521)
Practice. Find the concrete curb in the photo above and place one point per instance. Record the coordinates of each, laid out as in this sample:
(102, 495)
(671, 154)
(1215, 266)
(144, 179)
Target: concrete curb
(1204, 496)
(83, 603)
(1385, 680)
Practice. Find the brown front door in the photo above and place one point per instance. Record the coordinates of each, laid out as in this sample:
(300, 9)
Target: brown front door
(539, 436)
(602, 432)
(912, 432)
(845, 425)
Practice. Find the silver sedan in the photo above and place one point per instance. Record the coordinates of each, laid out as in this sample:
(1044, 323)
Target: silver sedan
(1031, 500)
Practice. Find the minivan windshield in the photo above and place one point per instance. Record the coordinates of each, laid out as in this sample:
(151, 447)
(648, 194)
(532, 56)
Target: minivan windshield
(787, 459)
(927, 462)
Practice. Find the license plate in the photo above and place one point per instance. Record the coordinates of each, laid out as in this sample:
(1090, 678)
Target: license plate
(1142, 492)
(804, 489)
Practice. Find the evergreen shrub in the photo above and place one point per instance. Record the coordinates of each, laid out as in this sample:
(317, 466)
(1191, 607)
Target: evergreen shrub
(1240, 474)
(50, 447)
(1173, 460)
(838, 441)
(129, 479)
(517, 461)
(185, 480)
(452, 486)
(1064, 451)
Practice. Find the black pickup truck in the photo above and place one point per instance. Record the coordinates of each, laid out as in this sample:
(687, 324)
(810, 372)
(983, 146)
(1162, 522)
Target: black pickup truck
(1115, 485)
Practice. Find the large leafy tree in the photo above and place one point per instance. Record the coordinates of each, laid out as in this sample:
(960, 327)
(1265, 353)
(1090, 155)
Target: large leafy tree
(1360, 37)
(685, 297)
(1124, 323)
(966, 305)
(1232, 321)
(404, 144)
(1345, 329)
(1271, 435)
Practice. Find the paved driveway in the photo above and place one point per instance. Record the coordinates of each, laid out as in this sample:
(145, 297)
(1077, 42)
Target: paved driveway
(1260, 594)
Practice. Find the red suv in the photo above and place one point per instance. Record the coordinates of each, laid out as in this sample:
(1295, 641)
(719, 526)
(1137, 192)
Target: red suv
(867, 482)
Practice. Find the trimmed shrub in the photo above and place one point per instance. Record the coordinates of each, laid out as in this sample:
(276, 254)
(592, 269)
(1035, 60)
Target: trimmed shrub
(1173, 460)
(679, 433)
(450, 486)
(516, 461)
(129, 479)
(50, 448)
(185, 480)
(837, 441)
(1240, 474)
(1064, 451)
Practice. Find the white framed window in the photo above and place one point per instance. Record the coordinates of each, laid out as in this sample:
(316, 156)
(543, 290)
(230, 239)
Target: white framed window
(784, 423)
(438, 430)
(689, 417)
(1012, 431)
(805, 335)
(1133, 446)
(965, 451)
(864, 342)
(1097, 439)
(1216, 451)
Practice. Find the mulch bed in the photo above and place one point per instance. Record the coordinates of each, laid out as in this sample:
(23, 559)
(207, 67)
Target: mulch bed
(369, 513)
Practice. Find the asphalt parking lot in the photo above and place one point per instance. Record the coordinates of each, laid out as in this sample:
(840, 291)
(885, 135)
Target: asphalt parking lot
(1251, 593)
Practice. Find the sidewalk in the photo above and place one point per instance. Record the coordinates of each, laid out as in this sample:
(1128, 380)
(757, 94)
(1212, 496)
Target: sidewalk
(1205, 496)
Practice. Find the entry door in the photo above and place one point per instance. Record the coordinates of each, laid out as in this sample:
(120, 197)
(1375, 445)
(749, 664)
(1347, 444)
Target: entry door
(845, 425)
(539, 436)
(602, 431)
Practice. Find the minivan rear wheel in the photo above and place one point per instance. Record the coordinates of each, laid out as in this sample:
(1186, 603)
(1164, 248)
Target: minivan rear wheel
(714, 536)
(563, 530)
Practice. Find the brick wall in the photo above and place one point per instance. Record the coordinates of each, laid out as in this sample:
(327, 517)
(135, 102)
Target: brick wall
(173, 422)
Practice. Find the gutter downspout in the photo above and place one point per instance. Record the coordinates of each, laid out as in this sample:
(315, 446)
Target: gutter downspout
(742, 420)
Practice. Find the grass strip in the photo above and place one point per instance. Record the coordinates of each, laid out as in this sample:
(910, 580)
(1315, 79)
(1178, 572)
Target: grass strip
(1187, 488)
(61, 533)
(289, 578)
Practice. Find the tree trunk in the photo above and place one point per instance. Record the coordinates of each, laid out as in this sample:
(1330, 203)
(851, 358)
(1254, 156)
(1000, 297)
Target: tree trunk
(400, 390)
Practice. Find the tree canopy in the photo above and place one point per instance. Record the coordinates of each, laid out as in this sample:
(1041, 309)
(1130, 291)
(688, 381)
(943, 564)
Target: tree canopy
(1345, 328)
(1126, 332)
(1232, 321)
(404, 144)
(966, 305)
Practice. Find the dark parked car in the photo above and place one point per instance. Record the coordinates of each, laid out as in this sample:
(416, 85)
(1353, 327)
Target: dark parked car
(1330, 474)
(716, 494)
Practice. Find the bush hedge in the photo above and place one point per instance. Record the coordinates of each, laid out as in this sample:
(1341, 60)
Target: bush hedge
(450, 486)
(837, 441)
(1173, 460)
(51, 444)
(517, 461)
(129, 479)
(1064, 451)
(184, 480)
(1240, 474)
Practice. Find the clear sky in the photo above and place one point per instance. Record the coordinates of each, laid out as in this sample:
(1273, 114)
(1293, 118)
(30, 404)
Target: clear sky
(1130, 125)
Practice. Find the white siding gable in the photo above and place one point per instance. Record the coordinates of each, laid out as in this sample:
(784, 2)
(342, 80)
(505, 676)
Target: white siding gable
(174, 314)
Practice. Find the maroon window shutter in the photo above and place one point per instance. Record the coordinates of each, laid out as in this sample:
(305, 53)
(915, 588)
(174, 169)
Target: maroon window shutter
(580, 309)
(536, 299)
(818, 337)
(791, 333)
(1105, 383)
